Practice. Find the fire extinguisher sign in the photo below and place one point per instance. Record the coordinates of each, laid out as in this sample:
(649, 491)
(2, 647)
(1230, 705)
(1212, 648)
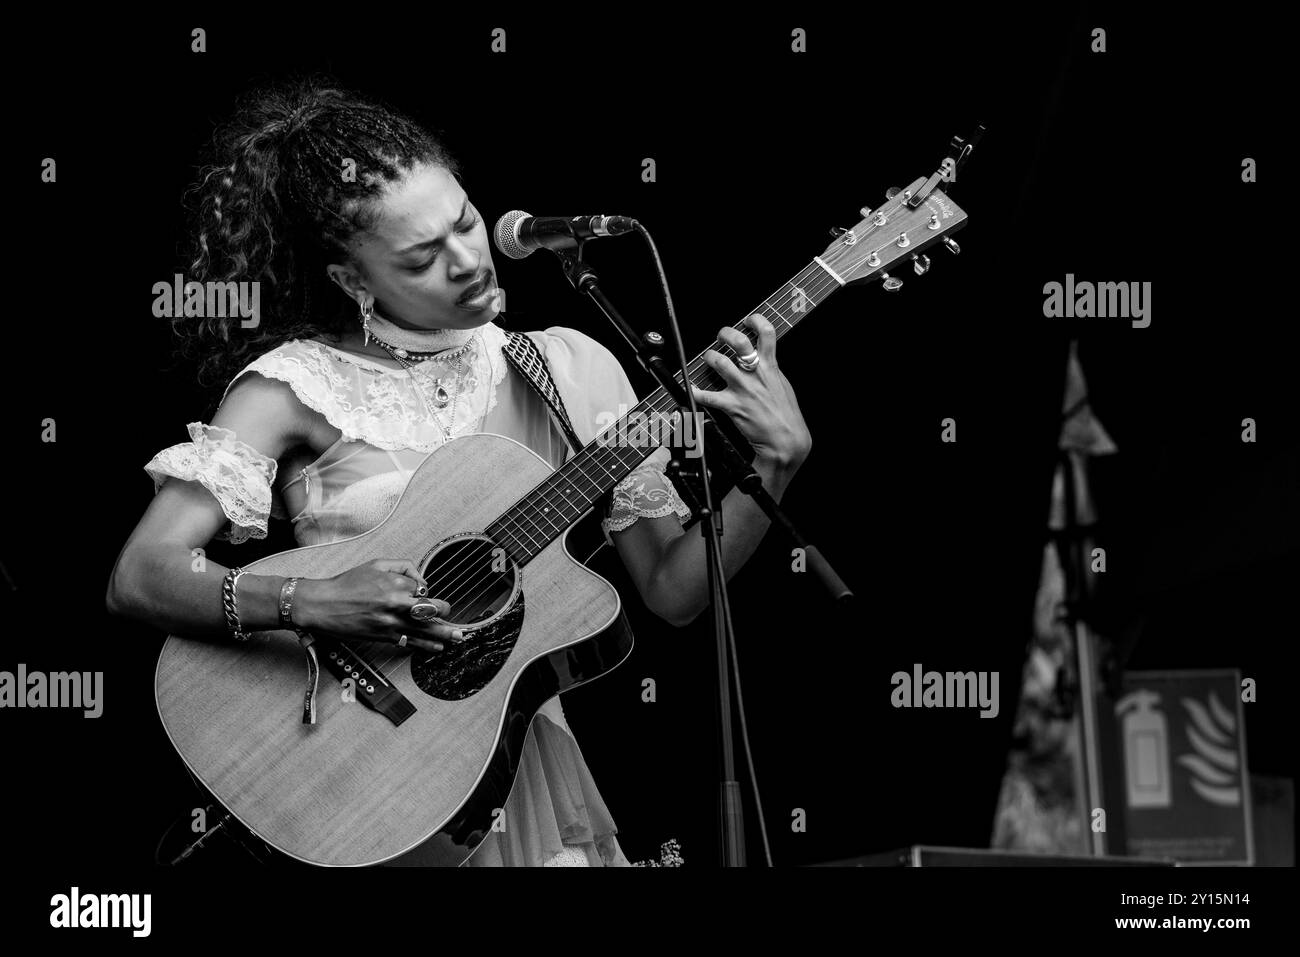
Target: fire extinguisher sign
(1186, 787)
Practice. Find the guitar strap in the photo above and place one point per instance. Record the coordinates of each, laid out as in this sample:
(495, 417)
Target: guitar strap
(529, 362)
(531, 365)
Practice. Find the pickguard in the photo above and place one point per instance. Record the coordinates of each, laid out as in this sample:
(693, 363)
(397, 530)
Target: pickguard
(460, 670)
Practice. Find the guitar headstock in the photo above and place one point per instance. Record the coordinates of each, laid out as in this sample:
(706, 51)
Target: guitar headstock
(895, 235)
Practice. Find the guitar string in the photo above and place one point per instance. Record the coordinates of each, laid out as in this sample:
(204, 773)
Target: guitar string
(818, 272)
(483, 585)
(603, 458)
(658, 415)
(871, 228)
(486, 582)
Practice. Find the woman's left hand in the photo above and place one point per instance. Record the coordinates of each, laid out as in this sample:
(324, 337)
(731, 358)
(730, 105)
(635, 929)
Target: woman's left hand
(761, 403)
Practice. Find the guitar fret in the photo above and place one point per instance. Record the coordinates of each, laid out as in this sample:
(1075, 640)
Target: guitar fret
(542, 515)
(507, 540)
(524, 525)
(520, 530)
(576, 465)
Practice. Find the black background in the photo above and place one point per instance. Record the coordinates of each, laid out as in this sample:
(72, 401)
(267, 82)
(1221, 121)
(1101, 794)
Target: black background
(1121, 166)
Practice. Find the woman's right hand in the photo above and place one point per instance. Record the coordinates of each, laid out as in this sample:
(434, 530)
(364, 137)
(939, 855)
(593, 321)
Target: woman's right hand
(371, 602)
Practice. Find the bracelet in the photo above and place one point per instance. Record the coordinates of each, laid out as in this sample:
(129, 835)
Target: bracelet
(286, 602)
(228, 601)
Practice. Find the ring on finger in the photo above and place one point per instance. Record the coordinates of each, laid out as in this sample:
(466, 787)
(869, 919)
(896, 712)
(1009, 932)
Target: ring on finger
(749, 362)
(423, 610)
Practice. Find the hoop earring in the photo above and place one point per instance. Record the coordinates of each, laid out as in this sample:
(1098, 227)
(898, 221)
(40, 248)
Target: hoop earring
(367, 310)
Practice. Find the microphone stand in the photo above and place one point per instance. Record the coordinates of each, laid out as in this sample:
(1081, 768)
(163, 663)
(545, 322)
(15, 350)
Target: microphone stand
(731, 812)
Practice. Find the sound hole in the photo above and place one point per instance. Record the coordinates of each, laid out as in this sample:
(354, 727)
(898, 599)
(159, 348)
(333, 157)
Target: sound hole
(474, 576)
(477, 579)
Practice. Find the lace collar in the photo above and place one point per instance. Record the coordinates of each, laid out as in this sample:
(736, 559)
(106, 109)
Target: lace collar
(378, 404)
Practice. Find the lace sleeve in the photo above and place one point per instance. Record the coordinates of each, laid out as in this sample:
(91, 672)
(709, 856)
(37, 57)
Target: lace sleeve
(646, 493)
(236, 474)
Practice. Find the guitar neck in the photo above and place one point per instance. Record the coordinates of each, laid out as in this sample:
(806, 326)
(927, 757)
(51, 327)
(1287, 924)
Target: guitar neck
(556, 504)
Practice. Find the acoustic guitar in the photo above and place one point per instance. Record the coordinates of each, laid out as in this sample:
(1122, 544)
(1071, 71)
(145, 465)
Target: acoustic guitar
(412, 762)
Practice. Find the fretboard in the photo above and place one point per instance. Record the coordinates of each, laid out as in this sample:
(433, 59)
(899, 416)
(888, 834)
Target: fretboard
(553, 507)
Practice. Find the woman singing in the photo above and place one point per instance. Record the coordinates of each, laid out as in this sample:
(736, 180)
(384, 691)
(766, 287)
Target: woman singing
(376, 344)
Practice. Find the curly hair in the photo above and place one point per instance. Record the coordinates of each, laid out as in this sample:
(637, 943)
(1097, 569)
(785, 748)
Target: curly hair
(274, 206)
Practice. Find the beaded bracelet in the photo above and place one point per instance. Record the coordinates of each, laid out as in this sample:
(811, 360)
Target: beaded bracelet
(228, 602)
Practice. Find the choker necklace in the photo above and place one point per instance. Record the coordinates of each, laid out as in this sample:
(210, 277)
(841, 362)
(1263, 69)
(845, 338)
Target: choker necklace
(419, 344)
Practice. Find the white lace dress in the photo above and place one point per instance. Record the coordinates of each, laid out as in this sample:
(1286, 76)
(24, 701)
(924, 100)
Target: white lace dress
(555, 815)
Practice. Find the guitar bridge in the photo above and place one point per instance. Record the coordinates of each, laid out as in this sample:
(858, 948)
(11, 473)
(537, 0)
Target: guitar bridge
(372, 689)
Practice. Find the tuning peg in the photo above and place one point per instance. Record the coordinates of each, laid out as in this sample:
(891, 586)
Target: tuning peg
(890, 283)
(892, 192)
(952, 246)
(920, 264)
(838, 231)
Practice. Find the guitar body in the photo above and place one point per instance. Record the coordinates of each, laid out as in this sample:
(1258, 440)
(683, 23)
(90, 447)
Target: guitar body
(358, 787)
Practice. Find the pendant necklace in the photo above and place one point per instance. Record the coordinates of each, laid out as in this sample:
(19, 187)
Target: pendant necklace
(408, 346)
(441, 396)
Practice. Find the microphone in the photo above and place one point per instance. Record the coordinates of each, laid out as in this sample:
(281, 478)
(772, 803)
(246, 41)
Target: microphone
(518, 234)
